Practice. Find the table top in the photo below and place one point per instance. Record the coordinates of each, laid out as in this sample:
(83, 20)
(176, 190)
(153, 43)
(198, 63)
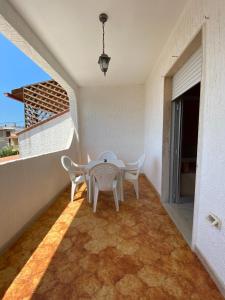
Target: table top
(119, 163)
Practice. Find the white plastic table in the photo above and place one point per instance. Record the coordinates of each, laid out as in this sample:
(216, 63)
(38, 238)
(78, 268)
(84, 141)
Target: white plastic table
(119, 163)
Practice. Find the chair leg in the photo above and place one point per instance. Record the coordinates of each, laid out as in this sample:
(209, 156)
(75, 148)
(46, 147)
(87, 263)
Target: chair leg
(116, 199)
(90, 189)
(121, 188)
(87, 189)
(73, 189)
(96, 191)
(136, 187)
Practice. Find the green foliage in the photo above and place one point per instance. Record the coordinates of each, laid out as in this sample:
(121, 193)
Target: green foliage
(8, 151)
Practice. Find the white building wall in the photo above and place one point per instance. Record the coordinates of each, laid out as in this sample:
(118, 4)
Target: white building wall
(111, 118)
(210, 188)
(53, 135)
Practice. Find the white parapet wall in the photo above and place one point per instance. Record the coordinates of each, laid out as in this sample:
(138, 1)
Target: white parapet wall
(29, 184)
(49, 136)
(34, 183)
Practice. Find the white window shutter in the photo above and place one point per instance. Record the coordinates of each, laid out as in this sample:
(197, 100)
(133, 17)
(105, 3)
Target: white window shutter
(188, 75)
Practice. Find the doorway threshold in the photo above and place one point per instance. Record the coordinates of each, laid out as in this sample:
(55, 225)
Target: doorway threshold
(182, 215)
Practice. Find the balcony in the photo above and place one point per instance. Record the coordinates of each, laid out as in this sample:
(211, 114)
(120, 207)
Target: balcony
(54, 249)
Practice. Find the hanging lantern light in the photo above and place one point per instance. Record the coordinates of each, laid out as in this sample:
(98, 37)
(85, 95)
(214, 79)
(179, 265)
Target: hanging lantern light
(104, 59)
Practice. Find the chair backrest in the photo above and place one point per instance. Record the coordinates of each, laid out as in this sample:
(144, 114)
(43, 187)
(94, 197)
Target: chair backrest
(67, 163)
(141, 161)
(105, 174)
(135, 167)
(109, 155)
(71, 167)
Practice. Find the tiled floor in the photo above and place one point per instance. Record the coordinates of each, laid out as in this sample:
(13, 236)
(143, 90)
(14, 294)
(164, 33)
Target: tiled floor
(71, 253)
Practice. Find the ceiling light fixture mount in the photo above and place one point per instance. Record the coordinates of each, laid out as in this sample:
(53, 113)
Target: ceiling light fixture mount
(104, 59)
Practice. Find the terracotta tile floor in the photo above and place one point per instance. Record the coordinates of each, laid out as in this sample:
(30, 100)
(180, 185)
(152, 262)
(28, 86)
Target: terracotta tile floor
(71, 253)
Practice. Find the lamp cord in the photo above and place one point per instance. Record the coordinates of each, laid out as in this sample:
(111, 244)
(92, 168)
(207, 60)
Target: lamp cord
(103, 37)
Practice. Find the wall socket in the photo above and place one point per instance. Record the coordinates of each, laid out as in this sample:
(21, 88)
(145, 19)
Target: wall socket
(214, 220)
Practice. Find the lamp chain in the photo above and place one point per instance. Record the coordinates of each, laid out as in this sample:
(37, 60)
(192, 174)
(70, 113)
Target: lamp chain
(103, 37)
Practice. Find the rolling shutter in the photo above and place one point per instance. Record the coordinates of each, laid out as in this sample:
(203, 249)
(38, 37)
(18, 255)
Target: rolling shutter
(188, 75)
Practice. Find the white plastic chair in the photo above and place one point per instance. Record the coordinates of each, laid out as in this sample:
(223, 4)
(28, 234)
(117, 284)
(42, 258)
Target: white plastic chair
(76, 172)
(105, 177)
(132, 172)
(108, 155)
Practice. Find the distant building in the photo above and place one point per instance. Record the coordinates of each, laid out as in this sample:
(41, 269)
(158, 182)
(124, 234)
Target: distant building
(46, 118)
(41, 100)
(8, 135)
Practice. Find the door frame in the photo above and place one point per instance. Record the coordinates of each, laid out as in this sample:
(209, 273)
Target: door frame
(195, 43)
(175, 149)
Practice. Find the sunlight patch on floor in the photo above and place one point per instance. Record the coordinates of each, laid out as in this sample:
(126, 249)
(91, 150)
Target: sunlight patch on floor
(40, 259)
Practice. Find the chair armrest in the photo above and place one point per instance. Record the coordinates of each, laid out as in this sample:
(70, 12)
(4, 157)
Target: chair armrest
(75, 173)
(82, 166)
(82, 169)
(132, 164)
(131, 169)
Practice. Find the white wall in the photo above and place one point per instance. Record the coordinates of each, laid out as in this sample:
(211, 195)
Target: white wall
(53, 135)
(112, 118)
(210, 188)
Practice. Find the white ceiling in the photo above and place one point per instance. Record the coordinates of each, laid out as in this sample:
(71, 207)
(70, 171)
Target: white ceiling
(135, 34)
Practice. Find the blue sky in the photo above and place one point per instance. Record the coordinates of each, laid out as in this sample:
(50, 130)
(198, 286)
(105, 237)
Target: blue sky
(16, 70)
